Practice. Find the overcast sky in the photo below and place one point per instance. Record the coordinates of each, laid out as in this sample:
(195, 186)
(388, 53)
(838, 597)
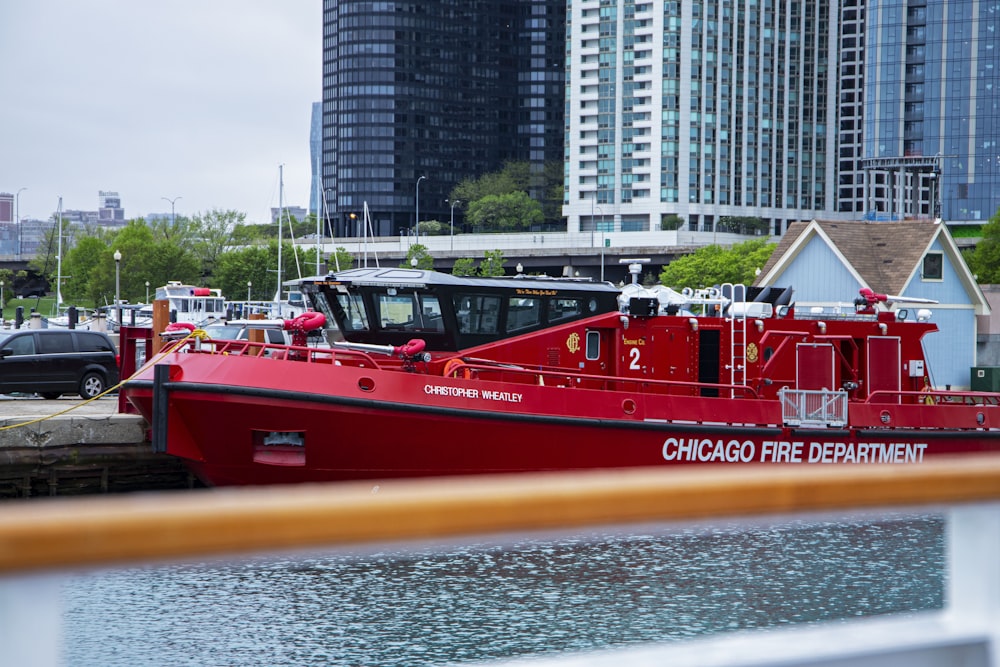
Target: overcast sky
(197, 99)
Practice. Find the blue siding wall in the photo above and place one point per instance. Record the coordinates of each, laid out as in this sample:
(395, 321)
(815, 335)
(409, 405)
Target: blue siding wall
(951, 350)
(818, 274)
(947, 291)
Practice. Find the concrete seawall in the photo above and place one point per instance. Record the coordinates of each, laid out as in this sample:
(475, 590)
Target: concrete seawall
(69, 447)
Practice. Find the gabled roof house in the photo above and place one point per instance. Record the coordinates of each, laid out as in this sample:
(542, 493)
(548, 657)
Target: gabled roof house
(827, 262)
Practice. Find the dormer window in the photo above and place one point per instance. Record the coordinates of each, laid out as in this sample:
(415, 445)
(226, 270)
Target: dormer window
(933, 266)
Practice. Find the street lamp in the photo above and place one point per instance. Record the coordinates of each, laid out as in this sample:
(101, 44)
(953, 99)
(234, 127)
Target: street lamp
(457, 201)
(17, 218)
(173, 219)
(417, 227)
(249, 285)
(2, 303)
(147, 291)
(118, 299)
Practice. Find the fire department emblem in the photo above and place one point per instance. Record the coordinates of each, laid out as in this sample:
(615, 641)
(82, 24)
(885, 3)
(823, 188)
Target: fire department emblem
(752, 353)
(573, 343)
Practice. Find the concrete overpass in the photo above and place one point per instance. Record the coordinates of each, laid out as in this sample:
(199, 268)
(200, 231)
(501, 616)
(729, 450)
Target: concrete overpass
(556, 254)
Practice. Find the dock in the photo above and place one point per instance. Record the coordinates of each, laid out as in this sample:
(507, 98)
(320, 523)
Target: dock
(68, 446)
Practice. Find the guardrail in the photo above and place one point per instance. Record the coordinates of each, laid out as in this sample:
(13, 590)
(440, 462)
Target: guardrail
(39, 538)
(804, 407)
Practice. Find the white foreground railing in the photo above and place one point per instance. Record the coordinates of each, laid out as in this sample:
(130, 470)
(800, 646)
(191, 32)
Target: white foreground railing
(41, 540)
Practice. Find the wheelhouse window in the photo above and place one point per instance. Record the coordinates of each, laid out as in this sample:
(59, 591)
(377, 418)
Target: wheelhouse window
(933, 266)
(523, 313)
(395, 311)
(477, 314)
(409, 311)
(355, 315)
(564, 309)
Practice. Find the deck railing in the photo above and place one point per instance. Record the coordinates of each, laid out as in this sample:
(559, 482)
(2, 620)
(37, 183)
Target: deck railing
(40, 538)
(803, 407)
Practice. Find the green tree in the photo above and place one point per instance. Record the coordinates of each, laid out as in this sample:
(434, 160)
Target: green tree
(177, 230)
(713, 265)
(257, 264)
(7, 276)
(80, 265)
(212, 233)
(464, 266)
(671, 222)
(494, 183)
(237, 267)
(492, 264)
(143, 258)
(244, 235)
(984, 259)
(419, 252)
(544, 186)
(512, 212)
(339, 260)
(433, 228)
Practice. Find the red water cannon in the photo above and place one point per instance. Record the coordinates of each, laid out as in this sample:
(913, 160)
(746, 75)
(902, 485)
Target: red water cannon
(866, 302)
(300, 327)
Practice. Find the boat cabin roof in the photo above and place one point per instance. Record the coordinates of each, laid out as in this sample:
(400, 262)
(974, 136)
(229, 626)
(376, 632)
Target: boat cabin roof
(399, 276)
(390, 306)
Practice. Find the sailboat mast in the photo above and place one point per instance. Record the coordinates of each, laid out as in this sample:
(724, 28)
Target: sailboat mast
(59, 259)
(281, 221)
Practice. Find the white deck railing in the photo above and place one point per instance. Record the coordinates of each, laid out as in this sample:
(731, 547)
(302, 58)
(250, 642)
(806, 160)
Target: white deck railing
(39, 541)
(822, 407)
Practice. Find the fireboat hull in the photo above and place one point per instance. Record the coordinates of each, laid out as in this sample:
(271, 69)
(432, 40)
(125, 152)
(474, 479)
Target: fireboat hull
(330, 423)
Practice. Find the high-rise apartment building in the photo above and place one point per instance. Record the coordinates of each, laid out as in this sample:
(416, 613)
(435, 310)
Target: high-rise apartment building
(701, 109)
(431, 93)
(851, 197)
(932, 109)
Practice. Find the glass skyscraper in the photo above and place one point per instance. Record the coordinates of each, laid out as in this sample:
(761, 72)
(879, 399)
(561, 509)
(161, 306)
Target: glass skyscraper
(932, 109)
(440, 89)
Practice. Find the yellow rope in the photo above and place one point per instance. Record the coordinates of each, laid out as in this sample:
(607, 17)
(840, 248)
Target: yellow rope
(197, 333)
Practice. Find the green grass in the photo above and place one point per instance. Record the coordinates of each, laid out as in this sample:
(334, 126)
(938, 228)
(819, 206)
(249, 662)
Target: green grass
(44, 305)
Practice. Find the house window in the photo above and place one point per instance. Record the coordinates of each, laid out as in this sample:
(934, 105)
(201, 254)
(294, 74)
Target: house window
(933, 266)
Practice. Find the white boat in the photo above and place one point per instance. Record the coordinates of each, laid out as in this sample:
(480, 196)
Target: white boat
(199, 306)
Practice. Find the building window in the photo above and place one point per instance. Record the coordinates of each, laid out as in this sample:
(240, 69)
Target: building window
(933, 266)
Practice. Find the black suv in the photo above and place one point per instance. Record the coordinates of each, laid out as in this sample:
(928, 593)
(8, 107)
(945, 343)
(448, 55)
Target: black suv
(52, 362)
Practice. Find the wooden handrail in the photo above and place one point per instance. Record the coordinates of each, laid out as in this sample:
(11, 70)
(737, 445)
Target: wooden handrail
(61, 533)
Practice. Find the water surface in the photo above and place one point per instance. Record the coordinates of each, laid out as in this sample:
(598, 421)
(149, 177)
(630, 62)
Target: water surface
(476, 602)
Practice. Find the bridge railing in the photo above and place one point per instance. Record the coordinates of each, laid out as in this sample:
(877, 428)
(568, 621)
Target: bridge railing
(40, 539)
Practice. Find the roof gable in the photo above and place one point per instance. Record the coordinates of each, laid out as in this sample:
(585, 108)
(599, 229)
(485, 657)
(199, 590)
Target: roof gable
(885, 256)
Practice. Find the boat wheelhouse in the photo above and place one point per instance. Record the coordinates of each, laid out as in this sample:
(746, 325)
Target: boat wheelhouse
(390, 306)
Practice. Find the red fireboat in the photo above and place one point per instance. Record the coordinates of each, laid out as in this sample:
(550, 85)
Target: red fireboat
(429, 374)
